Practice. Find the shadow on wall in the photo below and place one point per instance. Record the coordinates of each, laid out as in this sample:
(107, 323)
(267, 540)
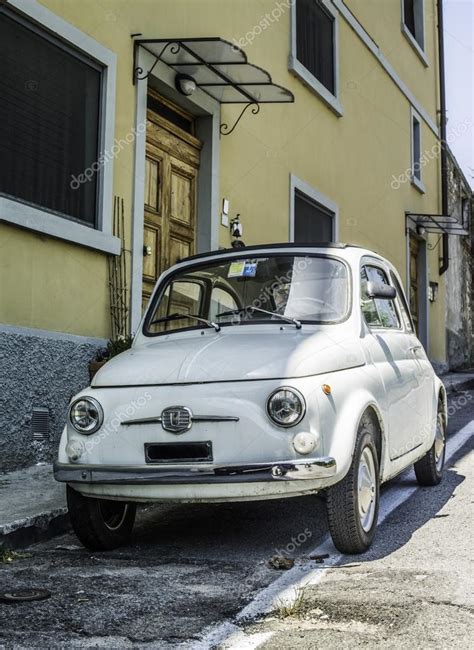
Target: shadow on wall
(37, 371)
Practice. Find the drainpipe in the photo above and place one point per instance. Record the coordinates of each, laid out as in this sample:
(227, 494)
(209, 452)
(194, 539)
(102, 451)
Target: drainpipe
(442, 116)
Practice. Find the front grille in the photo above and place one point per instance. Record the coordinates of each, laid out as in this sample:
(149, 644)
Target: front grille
(178, 452)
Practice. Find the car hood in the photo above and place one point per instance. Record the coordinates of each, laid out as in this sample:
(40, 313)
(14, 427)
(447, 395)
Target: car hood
(233, 355)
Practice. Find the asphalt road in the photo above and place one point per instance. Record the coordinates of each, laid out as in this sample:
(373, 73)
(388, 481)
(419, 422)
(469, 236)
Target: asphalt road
(191, 569)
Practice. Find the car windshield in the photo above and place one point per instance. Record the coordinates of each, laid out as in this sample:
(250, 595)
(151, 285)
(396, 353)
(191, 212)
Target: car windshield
(249, 290)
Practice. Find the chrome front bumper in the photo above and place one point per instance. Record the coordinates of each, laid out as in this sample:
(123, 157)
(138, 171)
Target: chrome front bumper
(292, 470)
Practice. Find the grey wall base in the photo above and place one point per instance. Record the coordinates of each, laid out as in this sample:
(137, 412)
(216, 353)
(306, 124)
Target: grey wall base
(440, 367)
(38, 368)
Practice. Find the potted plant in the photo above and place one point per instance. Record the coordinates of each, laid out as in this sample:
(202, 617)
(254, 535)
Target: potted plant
(114, 347)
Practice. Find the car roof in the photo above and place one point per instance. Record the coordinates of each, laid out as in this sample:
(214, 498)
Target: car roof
(263, 247)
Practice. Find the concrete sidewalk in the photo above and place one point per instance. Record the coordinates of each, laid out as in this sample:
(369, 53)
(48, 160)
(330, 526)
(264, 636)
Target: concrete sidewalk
(456, 382)
(33, 507)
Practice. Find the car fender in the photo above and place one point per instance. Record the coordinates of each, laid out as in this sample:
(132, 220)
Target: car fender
(62, 456)
(440, 390)
(343, 439)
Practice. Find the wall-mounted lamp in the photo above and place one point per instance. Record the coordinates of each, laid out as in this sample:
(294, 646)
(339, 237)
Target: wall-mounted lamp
(184, 84)
(421, 230)
(236, 230)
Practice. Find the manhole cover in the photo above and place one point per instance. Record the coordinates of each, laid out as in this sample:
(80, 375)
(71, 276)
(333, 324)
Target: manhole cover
(24, 595)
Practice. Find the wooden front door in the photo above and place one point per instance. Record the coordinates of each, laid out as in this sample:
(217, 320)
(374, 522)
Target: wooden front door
(171, 168)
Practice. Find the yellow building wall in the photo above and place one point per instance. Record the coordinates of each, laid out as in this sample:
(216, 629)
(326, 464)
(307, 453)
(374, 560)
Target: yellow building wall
(382, 21)
(52, 285)
(351, 160)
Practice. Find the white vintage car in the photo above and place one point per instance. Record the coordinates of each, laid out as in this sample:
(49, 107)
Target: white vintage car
(258, 373)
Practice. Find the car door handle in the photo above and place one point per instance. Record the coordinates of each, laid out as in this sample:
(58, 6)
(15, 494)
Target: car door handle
(414, 348)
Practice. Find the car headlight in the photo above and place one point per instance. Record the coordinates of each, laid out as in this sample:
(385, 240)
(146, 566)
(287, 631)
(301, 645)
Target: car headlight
(86, 415)
(286, 407)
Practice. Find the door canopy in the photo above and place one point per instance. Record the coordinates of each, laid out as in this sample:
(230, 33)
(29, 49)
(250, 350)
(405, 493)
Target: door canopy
(218, 68)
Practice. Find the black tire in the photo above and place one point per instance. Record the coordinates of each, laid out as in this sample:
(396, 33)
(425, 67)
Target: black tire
(352, 531)
(100, 524)
(429, 469)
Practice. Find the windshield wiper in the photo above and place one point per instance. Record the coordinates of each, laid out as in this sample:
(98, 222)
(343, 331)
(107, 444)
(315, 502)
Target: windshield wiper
(250, 308)
(177, 316)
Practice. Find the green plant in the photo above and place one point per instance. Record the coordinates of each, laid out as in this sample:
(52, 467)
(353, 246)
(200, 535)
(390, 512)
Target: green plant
(292, 608)
(118, 345)
(7, 555)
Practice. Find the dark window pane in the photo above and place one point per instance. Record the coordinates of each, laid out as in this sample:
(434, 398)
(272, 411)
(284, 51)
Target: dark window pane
(409, 15)
(413, 19)
(49, 123)
(416, 149)
(315, 41)
(154, 105)
(313, 224)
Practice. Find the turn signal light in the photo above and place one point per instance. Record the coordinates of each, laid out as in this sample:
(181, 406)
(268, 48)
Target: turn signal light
(326, 389)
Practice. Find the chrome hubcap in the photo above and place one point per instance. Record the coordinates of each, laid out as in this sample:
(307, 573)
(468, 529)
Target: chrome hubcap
(439, 444)
(366, 489)
(113, 513)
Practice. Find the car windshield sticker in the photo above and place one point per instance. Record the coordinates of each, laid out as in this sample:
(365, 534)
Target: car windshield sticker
(250, 269)
(236, 269)
(245, 269)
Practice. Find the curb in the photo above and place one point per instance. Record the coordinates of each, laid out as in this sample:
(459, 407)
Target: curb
(38, 528)
(459, 387)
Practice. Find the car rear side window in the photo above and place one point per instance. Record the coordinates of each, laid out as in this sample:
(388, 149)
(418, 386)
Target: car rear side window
(377, 312)
(402, 304)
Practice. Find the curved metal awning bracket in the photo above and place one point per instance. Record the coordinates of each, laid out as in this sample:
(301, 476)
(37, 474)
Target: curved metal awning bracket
(174, 46)
(225, 129)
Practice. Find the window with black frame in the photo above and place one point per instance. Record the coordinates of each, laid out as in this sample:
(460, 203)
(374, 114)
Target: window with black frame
(49, 123)
(315, 41)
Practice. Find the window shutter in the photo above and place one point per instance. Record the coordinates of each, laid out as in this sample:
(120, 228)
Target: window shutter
(49, 122)
(313, 224)
(315, 41)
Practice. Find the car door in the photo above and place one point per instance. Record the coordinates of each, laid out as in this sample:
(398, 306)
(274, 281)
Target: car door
(389, 349)
(427, 404)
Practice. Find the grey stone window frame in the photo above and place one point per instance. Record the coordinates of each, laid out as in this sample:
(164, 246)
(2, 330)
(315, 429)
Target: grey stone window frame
(315, 197)
(417, 45)
(303, 74)
(36, 218)
(416, 140)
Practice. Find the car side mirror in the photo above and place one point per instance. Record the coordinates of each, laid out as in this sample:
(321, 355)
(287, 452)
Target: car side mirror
(381, 290)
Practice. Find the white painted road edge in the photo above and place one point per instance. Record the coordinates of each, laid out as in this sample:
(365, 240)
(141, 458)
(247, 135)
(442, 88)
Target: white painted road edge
(285, 588)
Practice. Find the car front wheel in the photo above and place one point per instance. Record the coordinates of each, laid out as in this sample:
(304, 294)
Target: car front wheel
(353, 503)
(100, 524)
